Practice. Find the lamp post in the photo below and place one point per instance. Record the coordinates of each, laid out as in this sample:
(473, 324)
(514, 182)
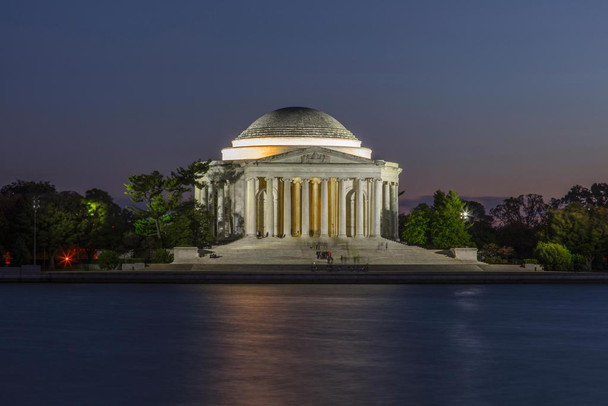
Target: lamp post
(36, 206)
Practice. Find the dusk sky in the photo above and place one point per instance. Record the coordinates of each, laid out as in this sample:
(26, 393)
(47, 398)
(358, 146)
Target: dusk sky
(491, 99)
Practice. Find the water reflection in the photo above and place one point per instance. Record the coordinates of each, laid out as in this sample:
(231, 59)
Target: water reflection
(274, 345)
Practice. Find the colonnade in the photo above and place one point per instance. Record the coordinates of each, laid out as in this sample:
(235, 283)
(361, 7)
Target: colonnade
(321, 207)
(217, 197)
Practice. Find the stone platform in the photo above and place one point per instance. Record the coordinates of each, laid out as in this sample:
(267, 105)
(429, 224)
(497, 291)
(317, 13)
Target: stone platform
(298, 251)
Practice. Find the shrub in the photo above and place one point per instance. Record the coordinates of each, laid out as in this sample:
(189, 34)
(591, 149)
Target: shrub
(161, 256)
(108, 259)
(530, 261)
(554, 257)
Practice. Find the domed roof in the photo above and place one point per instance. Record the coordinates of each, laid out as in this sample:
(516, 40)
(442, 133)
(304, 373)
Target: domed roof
(297, 122)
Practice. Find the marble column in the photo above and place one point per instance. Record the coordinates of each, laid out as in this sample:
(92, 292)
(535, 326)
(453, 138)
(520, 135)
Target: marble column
(197, 194)
(296, 220)
(314, 208)
(395, 211)
(250, 207)
(376, 230)
(269, 214)
(324, 209)
(227, 209)
(305, 209)
(220, 209)
(342, 208)
(359, 210)
(386, 209)
(211, 199)
(287, 207)
(203, 196)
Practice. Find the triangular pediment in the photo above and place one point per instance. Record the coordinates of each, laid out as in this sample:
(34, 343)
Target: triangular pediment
(314, 156)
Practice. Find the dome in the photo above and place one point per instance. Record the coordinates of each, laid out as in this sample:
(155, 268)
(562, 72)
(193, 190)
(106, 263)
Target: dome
(296, 122)
(290, 129)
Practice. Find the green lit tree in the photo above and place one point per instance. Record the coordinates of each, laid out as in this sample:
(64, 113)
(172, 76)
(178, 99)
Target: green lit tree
(448, 227)
(160, 196)
(105, 224)
(441, 226)
(163, 199)
(416, 225)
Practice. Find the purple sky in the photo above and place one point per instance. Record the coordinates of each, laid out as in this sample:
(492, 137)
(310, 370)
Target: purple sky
(491, 99)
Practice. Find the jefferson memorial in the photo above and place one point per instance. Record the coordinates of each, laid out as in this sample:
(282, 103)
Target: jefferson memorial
(298, 172)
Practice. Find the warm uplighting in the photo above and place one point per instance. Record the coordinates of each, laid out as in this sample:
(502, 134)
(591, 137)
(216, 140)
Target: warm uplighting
(258, 152)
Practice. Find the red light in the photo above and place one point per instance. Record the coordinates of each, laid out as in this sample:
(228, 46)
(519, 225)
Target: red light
(66, 259)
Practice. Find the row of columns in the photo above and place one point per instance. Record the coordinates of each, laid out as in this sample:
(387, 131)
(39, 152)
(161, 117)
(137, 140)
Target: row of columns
(220, 192)
(384, 200)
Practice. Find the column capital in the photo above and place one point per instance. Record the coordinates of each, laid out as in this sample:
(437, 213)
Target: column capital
(343, 179)
(286, 179)
(324, 179)
(315, 181)
(305, 179)
(296, 181)
(268, 178)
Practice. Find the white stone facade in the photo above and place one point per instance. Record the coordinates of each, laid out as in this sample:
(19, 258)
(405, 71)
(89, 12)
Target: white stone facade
(301, 189)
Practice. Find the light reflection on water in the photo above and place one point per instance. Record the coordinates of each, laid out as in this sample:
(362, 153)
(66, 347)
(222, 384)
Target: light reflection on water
(303, 344)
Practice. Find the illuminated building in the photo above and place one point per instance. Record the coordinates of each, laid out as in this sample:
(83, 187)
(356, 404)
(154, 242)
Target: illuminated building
(298, 172)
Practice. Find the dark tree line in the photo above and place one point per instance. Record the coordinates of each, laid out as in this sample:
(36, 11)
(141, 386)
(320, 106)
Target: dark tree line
(65, 221)
(69, 224)
(527, 227)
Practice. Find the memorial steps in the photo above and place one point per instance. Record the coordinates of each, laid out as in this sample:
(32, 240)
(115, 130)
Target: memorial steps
(270, 250)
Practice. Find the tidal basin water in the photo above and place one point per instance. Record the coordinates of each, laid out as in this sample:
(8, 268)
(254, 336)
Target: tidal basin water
(100, 344)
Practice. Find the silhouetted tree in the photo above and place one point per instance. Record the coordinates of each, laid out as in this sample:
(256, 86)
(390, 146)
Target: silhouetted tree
(518, 220)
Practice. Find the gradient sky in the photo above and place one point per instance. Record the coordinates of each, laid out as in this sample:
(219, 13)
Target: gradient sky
(491, 99)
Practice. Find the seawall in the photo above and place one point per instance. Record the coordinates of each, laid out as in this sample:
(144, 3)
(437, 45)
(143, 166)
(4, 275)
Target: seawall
(277, 274)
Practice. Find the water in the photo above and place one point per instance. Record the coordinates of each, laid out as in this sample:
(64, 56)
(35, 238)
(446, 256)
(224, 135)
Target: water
(303, 344)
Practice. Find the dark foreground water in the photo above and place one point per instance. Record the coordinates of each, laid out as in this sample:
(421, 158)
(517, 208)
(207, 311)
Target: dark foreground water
(303, 345)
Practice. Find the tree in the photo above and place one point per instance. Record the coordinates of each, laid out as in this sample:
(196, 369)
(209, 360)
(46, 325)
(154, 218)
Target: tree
(416, 225)
(481, 230)
(164, 205)
(160, 196)
(190, 176)
(190, 227)
(448, 228)
(583, 230)
(17, 217)
(105, 224)
(62, 223)
(441, 226)
(553, 256)
(518, 220)
(596, 196)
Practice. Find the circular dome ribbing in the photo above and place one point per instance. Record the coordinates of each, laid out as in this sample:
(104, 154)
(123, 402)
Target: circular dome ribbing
(296, 122)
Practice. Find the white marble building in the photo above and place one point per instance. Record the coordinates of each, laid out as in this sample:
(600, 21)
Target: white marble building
(298, 172)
